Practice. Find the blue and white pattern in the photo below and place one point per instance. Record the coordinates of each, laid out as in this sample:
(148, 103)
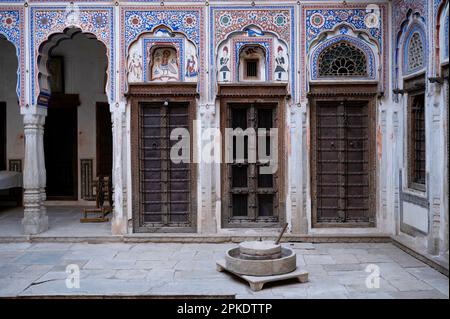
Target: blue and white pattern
(282, 24)
(319, 20)
(137, 22)
(46, 21)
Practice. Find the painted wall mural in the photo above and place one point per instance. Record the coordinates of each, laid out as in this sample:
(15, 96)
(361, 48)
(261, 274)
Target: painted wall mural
(156, 52)
(46, 21)
(270, 27)
(322, 19)
(155, 25)
(12, 28)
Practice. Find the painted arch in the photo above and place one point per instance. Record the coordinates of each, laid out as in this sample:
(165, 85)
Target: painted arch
(12, 28)
(49, 24)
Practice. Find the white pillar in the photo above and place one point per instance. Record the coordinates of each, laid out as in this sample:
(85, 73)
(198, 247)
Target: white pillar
(35, 219)
(207, 219)
(119, 221)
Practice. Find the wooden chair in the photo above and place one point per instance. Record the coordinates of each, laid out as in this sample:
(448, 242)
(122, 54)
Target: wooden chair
(103, 193)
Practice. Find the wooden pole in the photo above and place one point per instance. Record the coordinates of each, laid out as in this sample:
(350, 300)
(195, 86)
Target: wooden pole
(281, 234)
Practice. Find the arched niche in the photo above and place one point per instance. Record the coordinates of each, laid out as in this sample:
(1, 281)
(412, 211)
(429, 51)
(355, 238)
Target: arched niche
(344, 54)
(414, 53)
(413, 24)
(252, 63)
(45, 50)
(266, 49)
(162, 55)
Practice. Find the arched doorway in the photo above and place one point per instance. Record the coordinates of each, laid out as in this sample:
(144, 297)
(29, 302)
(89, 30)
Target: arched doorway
(78, 130)
(11, 128)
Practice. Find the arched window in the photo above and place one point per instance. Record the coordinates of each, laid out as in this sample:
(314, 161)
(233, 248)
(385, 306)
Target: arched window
(415, 52)
(342, 59)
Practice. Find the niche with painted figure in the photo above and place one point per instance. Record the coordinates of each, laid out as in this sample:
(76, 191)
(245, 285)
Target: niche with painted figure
(252, 63)
(164, 65)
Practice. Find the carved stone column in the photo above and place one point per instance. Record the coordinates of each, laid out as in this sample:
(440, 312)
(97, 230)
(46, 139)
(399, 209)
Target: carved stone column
(35, 219)
(41, 162)
(118, 226)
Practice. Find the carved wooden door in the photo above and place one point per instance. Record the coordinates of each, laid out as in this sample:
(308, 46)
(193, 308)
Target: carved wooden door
(165, 189)
(342, 193)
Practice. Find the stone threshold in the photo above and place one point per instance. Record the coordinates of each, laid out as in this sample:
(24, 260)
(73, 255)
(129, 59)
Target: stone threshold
(197, 238)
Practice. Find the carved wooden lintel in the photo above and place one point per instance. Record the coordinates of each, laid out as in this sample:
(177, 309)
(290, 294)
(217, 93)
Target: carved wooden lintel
(163, 89)
(415, 83)
(343, 89)
(253, 89)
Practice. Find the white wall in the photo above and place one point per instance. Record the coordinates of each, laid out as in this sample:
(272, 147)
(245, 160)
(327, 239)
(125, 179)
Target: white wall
(85, 65)
(8, 83)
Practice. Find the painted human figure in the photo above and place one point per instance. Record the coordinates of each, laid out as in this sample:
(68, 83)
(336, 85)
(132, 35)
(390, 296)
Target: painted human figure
(135, 66)
(166, 64)
(191, 69)
(280, 69)
(224, 70)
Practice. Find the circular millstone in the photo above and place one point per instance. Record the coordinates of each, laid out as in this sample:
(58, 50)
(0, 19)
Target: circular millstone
(266, 267)
(259, 248)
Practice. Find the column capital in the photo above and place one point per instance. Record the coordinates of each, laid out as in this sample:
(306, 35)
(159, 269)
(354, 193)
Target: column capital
(117, 107)
(207, 109)
(31, 120)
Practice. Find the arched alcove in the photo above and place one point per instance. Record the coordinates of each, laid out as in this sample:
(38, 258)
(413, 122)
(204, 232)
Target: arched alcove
(162, 55)
(73, 80)
(45, 50)
(265, 51)
(414, 57)
(252, 63)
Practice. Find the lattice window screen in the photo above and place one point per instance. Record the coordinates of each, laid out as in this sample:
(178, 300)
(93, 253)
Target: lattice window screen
(342, 59)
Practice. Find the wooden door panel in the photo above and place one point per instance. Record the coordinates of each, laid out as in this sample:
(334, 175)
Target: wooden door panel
(165, 185)
(342, 168)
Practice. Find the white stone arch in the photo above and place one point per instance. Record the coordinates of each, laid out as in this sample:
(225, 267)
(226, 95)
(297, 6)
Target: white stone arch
(227, 53)
(138, 59)
(358, 39)
(44, 51)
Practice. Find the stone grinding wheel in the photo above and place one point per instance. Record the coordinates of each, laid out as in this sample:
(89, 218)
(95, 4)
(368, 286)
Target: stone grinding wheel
(260, 248)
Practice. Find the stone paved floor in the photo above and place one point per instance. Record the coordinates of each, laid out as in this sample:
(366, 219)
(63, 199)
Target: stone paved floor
(63, 220)
(336, 271)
